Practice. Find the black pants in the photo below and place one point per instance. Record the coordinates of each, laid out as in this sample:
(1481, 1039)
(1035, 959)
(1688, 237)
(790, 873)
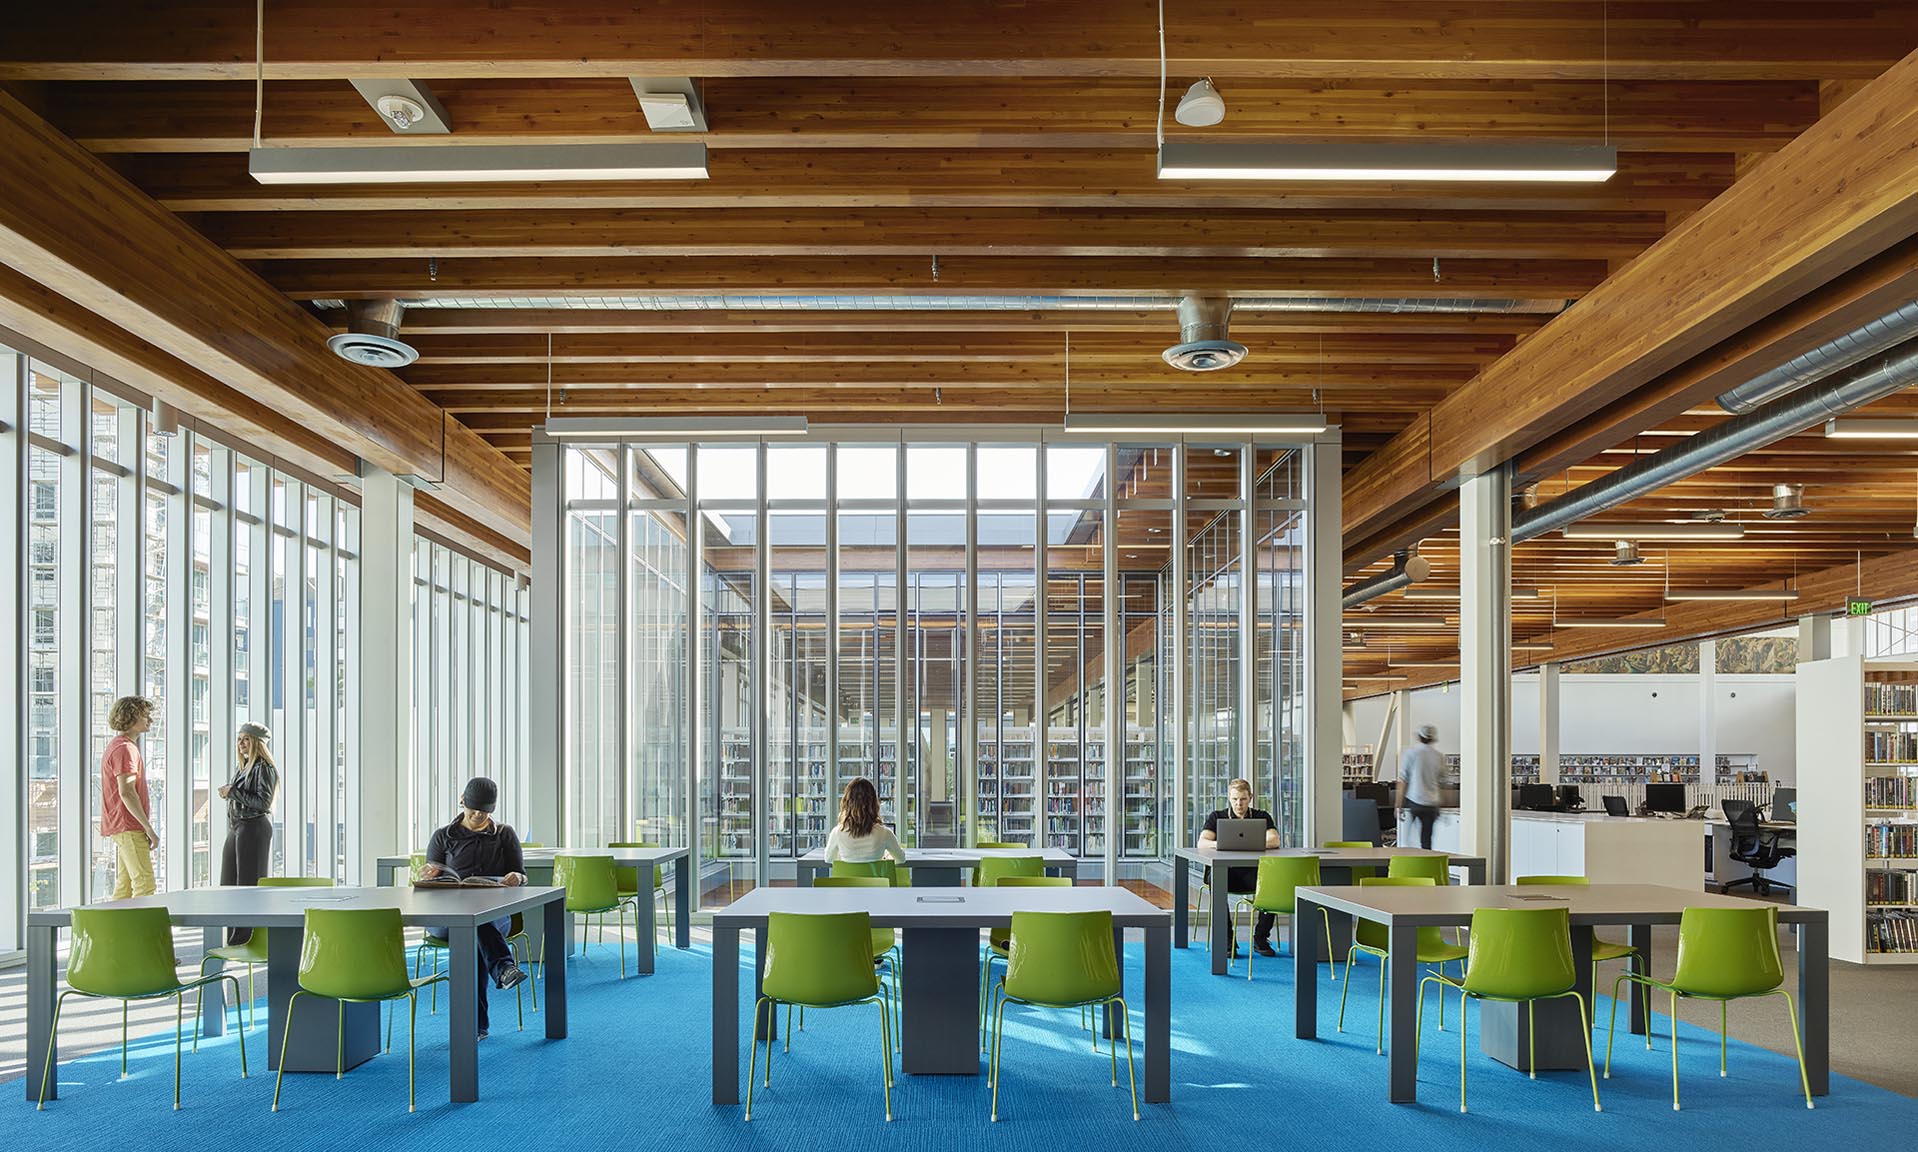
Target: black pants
(1425, 816)
(1241, 881)
(246, 857)
(493, 952)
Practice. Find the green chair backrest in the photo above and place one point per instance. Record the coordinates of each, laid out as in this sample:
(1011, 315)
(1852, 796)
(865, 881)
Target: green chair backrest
(1001, 938)
(629, 874)
(882, 938)
(991, 868)
(1438, 868)
(415, 863)
(1062, 959)
(993, 844)
(122, 952)
(886, 869)
(1546, 881)
(1279, 878)
(1520, 953)
(1377, 936)
(590, 882)
(1728, 952)
(1350, 844)
(354, 953)
(531, 844)
(819, 959)
(296, 882)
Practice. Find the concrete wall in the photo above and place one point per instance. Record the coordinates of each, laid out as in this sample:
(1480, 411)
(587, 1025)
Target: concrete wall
(1622, 714)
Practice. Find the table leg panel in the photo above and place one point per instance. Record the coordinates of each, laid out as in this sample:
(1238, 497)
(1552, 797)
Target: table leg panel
(552, 920)
(213, 996)
(1305, 984)
(1814, 1002)
(1181, 893)
(462, 1008)
(941, 1001)
(1158, 1015)
(1402, 1023)
(683, 901)
(42, 959)
(725, 1015)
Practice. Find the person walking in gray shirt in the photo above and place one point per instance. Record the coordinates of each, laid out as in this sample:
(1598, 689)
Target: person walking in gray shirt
(1421, 788)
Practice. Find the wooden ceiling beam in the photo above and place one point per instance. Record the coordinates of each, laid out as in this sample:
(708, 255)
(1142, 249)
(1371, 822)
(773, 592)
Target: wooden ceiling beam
(1170, 277)
(1320, 39)
(1046, 374)
(70, 223)
(1736, 117)
(951, 232)
(1834, 198)
(930, 178)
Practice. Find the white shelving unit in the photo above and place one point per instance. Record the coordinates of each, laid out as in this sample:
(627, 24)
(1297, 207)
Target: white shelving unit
(1858, 804)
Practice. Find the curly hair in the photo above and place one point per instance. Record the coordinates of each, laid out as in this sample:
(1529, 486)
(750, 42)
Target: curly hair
(859, 806)
(128, 711)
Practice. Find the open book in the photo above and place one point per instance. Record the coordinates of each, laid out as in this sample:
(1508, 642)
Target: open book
(448, 878)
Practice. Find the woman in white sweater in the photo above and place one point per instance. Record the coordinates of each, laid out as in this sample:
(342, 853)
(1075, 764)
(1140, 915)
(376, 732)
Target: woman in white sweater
(859, 837)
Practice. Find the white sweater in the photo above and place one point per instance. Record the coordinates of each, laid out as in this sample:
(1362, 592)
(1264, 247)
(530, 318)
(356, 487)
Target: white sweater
(874, 845)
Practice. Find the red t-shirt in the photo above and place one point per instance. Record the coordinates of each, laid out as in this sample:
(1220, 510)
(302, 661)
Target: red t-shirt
(122, 759)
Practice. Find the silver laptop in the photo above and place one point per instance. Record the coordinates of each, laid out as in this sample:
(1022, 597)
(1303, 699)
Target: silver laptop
(1241, 835)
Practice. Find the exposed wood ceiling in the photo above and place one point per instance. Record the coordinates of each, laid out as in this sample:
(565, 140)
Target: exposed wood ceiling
(987, 148)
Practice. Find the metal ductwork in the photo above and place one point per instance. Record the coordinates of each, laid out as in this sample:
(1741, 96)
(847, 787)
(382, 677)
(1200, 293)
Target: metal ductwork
(372, 335)
(1405, 569)
(1834, 355)
(1798, 412)
(1204, 343)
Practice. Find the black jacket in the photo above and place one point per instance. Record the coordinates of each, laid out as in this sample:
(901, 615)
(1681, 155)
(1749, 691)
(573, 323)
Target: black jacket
(251, 792)
(494, 852)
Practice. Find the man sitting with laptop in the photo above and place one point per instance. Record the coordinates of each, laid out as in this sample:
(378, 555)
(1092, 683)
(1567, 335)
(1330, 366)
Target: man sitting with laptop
(1236, 828)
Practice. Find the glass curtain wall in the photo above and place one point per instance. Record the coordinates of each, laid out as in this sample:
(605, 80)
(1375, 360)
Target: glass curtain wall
(176, 568)
(937, 615)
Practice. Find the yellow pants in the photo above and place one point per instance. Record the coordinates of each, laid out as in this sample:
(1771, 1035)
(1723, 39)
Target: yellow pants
(133, 875)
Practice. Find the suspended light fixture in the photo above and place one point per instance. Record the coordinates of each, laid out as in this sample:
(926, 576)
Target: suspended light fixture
(1866, 428)
(1409, 161)
(1201, 106)
(477, 164)
(672, 427)
(1230, 424)
(1689, 530)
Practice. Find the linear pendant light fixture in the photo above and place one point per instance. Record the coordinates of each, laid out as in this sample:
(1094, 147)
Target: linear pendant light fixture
(477, 164)
(672, 427)
(1605, 530)
(1749, 594)
(1392, 160)
(1228, 424)
(1867, 428)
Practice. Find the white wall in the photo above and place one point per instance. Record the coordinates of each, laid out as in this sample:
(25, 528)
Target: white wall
(1621, 714)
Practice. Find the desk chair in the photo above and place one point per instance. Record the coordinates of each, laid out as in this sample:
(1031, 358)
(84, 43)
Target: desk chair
(1751, 846)
(819, 961)
(629, 889)
(1061, 960)
(1374, 939)
(126, 954)
(249, 952)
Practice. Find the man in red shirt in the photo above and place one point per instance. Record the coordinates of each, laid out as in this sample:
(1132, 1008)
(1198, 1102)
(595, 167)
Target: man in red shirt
(123, 798)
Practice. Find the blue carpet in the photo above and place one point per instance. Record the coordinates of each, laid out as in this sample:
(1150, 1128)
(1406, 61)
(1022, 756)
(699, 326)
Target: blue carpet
(635, 1075)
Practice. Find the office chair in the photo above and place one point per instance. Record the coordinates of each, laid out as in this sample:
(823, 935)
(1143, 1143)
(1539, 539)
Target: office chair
(1751, 846)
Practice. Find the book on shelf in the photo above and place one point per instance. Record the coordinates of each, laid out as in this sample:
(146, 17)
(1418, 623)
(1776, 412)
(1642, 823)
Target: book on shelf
(1891, 930)
(1891, 791)
(1891, 747)
(1886, 841)
(1891, 699)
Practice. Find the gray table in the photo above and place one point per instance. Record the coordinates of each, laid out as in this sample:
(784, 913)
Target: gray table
(940, 1011)
(1502, 1035)
(1335, 865)
(946, 867)
(539, 871)
(282, 912)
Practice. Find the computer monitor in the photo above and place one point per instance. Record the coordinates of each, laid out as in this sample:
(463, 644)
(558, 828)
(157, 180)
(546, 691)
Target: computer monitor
(1570, 798)
(1664, 797)
(1783, 803)
(1536, 797)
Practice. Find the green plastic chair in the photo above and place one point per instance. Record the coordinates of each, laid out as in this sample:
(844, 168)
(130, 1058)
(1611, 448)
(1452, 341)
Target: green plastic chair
(592, 889)
(358, 956)
(126, 954)
(819, 961)
(1280, 878)
(1603, 951)
(249, 952)
(993, 844)
(1437, 868)
(886, 869)
(1518, 956)
(430, 944)
(1374, 939)
(998, 941)
(1359, 873)
(629, 889)
(885, 949)
(1724, 954)
(1061, 960)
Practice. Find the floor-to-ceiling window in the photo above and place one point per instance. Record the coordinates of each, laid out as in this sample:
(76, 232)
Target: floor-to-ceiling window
(942, 614)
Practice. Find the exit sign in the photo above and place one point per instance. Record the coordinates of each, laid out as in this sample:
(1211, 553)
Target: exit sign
(1855, 606)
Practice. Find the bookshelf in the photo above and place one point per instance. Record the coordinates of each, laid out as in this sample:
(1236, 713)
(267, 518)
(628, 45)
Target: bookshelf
(1858, 804)
(1358, 764)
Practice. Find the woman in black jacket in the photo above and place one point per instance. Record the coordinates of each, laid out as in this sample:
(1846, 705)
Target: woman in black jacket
(249, 813)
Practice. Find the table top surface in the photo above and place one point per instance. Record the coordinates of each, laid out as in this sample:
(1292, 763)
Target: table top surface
(1588, 904)
(958, 857)
(286, 907)
(545, 855)
(944, 907)
(1368, 855)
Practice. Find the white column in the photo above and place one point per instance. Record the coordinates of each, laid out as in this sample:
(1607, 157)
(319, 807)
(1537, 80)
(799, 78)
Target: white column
(1814, 638)
(15, 635)
(376, 795)
(1548, 689)
(1707, 716)
(546, 672)
(1485, 676)
(1324, 683)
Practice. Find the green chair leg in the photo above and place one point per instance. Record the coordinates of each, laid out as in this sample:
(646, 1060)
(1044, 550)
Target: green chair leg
(752, 1065)
(53, 1034)
(1799, 1044)
(412, 1025)
(339, 1041)
(123, 1039)
(286, 1034)
(179, 1002)
(1648, 1032)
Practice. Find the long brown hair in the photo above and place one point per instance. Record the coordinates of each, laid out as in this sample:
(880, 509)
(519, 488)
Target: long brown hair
(859, 806)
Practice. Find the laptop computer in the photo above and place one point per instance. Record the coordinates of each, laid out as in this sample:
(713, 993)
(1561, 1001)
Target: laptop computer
(1241, 835)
